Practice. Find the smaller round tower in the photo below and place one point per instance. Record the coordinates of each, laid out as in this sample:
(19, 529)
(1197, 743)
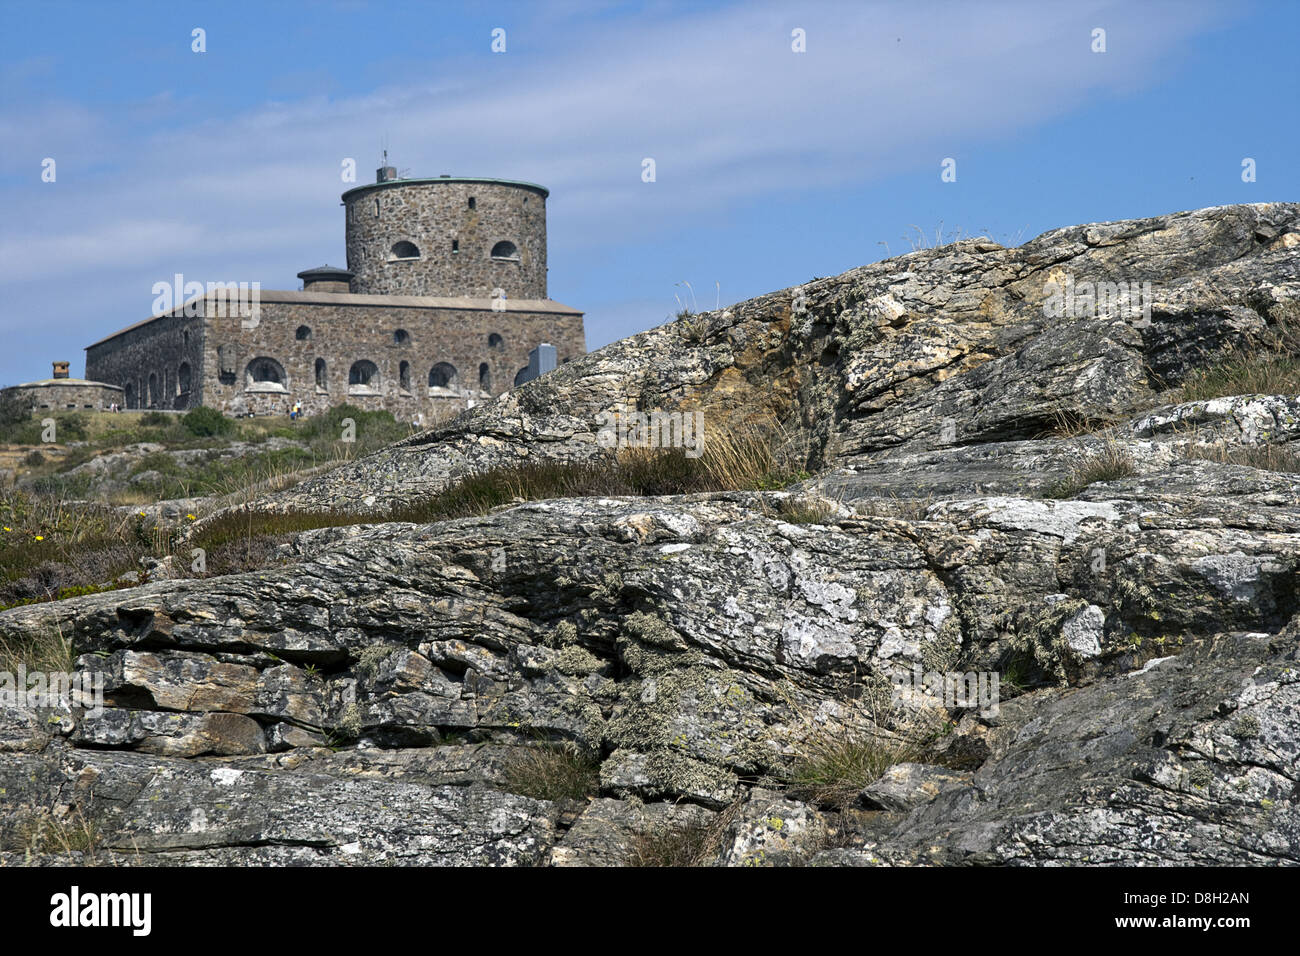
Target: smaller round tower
(449, 236)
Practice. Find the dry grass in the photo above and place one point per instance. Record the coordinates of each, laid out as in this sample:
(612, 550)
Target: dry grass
(836, 758)
(808, 509)
(45, 651)
(39, 831)
(1111, 464)
(696, 843)
(746, 458)
(1280, 458)
(51, 548)
(57, 548)
(1271, 366)
(551, 772)
(837, 764)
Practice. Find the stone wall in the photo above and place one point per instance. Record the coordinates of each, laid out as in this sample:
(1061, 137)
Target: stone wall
(454, 241)
(342, 330)
(65, 394)
(152, 361)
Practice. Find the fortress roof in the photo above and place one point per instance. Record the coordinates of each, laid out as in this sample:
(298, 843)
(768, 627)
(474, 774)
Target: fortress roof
(312, 297)
(61, 382)
(326, 272)
(542, 190)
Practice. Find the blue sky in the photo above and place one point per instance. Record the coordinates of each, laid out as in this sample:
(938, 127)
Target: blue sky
(771, 166)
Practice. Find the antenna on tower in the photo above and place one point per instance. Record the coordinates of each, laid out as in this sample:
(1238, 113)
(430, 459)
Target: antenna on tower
(385, 173)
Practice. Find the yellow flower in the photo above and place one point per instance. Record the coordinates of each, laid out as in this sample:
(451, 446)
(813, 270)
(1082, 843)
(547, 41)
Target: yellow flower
(141, 514)
(192, 517)
(40, 537)
(7, 528)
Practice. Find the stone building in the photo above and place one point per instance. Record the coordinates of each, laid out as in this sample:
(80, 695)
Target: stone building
(61, 393)
(443, 299)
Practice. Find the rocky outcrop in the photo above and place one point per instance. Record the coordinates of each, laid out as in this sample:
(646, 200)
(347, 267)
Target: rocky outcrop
(425, 693)
(947, 351)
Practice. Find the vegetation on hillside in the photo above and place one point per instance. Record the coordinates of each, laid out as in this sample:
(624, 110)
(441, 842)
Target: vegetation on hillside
(53, 547)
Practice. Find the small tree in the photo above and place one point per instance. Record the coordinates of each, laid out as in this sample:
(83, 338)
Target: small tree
(12, 408)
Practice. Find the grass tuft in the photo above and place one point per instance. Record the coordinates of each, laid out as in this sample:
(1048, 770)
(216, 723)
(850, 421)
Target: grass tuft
(1112, 464)
(551, 772)
(836, 765)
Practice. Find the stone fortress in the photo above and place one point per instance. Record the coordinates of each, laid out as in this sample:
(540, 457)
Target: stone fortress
(443, 304)
(62, 393)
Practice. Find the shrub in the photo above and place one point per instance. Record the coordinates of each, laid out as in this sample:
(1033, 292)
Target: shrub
(13, 409)
(50, 549)
(157, 420)
(203, 422)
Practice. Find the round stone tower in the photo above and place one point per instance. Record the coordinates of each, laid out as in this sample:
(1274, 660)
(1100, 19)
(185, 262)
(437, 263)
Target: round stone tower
(449, 236)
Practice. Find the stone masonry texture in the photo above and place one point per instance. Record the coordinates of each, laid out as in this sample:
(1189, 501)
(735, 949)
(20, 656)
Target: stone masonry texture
(426, 330)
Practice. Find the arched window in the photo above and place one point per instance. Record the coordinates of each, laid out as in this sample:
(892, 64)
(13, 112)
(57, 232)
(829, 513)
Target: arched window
(484, 377)
(153, 389)
(495, 341)
(401, 337)
(404, 376)
(320, 374)
(128, 391)
(442, 375)
(505, 250)
(303, 334)
(363, 374)
(183, 377)
(264, 375)
(455, 246)
(405, 250)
